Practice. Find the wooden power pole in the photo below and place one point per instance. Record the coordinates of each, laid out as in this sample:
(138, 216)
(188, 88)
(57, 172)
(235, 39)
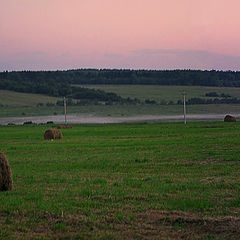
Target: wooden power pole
(184, 107)
(65, 109)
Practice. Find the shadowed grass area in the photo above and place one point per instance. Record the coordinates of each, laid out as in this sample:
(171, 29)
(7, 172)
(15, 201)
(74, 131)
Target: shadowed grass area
(103, 181)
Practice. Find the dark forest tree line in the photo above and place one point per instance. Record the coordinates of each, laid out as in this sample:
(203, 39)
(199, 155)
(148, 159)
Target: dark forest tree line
(107, 76)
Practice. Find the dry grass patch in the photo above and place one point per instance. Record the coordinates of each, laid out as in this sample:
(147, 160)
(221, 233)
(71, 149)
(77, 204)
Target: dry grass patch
(174, 225)
(182, 225)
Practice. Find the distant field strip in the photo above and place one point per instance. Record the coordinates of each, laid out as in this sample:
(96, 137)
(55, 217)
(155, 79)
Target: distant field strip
(159, 93)
(11, 98)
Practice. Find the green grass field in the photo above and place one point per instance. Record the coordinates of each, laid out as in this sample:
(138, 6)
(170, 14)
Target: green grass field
(123, 181)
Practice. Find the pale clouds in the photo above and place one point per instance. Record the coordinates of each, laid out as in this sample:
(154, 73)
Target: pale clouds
(159, 59)
(185, 59)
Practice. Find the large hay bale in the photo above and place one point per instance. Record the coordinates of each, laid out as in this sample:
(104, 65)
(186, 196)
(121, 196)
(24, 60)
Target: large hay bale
(52, 134)
(6, 182)
(229, 118)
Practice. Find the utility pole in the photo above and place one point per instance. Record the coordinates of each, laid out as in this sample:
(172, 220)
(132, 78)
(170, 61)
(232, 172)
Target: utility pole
(65, 109)
(184, 107)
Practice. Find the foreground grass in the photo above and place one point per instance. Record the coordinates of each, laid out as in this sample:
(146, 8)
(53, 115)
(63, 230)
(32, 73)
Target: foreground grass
(123, 181)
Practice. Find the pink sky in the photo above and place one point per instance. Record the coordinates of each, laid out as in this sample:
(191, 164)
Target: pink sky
(157, 34)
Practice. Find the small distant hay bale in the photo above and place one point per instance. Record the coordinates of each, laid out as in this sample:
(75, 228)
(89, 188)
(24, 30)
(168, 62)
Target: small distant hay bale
(63, 126)
(229, 118)
(6, 182)
(52, 134)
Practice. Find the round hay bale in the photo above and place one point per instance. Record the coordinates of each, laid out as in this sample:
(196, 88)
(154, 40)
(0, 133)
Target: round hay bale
(52, 134)
(6, 182)
(63, 126)
(229, 118)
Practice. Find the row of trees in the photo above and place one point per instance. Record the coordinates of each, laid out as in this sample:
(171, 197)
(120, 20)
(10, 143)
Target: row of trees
(213, 101)
(215, 94)
(191, 101)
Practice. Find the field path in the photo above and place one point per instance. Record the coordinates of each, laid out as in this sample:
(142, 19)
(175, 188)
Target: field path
(101, 120)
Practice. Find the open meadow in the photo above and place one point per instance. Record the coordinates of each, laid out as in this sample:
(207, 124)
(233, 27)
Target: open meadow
(123, 181)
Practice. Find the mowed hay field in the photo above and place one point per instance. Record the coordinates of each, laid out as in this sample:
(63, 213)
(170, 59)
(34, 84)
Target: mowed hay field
(123, 181)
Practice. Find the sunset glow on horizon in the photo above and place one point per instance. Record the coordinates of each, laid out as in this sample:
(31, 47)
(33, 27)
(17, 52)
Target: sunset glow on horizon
(137, 34)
